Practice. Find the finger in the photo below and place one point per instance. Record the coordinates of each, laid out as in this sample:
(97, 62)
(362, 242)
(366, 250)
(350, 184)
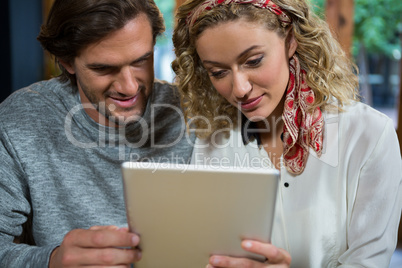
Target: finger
(109, 227)
(273, 254)
(225, 261)
(102, 238)
(124, 229)
(114, 266)
(101, 257)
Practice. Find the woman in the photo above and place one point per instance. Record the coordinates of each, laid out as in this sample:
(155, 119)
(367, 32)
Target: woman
(264, 83)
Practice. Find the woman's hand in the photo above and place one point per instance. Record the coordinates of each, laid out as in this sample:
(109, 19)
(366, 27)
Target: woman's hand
(276, 257)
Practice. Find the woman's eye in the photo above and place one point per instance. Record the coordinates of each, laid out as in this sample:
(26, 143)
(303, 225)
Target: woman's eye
(218, 74)
(254, 62)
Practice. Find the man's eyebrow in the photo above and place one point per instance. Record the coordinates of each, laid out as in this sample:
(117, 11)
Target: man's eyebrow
(101, 65)
(144, 57)
(238, 57)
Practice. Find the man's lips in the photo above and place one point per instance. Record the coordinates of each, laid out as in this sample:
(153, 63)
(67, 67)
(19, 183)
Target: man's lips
(251, 103)
(124, 102)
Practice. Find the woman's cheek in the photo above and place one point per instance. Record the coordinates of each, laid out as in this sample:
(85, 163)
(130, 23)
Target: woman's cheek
(223, 89)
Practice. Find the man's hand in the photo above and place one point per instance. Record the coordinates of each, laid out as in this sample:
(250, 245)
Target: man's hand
(276, 257)
(98, 246)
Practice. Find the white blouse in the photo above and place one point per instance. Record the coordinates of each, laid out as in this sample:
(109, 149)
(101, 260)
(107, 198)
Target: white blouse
(344, 209)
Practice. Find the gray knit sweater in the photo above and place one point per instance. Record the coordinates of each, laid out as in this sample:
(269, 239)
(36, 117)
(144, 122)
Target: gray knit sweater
(63, 168)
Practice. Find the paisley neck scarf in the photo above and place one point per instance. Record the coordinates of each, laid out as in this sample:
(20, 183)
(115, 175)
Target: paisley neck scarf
(303, 127)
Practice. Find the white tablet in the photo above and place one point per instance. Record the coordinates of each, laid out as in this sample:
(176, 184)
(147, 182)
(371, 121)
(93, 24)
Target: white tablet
(185, 213)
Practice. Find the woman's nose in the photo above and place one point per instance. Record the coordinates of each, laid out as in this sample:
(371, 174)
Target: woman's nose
(241, 85)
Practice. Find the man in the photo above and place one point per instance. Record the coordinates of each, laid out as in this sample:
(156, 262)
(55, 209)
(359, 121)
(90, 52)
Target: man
(62, 141)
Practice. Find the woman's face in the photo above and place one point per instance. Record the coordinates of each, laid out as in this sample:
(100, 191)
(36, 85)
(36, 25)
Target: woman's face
(248, 65)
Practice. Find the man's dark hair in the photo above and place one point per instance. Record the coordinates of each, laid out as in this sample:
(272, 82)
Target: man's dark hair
(74, 24)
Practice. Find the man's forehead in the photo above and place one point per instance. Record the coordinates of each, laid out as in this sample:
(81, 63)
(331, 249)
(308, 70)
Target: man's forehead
(132, 41)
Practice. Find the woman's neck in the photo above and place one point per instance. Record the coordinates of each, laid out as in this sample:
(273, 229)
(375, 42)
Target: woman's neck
(270, 133)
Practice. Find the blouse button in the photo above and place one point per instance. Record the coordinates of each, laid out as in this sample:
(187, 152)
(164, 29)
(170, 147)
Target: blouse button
(286, 184)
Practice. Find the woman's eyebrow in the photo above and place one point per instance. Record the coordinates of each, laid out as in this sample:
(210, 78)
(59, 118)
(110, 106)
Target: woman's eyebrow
(238, 57)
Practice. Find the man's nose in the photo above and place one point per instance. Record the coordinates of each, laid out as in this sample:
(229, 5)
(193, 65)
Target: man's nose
(127, 82)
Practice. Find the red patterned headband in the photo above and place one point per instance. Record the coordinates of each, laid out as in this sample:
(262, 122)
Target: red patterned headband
(209, 4)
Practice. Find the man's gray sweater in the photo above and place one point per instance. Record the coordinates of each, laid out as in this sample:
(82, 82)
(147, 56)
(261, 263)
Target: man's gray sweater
(62, 169)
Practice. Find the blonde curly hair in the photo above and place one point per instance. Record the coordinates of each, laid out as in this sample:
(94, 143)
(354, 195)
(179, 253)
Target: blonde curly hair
(330, 74)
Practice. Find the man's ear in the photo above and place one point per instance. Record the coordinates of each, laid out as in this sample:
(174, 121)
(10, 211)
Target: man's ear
(291, 44)
(68, 66)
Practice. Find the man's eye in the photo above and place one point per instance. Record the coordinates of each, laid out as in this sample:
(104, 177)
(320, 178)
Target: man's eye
(104, 70)
(100, 69)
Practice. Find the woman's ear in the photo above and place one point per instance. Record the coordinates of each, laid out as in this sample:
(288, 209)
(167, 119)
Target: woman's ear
(291, 44)
(68, 66)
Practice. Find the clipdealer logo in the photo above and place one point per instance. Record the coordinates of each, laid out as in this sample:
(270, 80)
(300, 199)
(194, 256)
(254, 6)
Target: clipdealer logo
(217, 141)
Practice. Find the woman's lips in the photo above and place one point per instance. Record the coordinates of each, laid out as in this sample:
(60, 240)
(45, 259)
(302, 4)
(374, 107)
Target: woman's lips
(124, 102)
(251, 103)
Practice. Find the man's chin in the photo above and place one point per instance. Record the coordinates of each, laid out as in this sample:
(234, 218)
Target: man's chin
(123, 120)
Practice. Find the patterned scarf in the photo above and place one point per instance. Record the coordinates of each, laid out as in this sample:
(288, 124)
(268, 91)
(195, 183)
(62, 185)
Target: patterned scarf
(267, 4)
(303, 128)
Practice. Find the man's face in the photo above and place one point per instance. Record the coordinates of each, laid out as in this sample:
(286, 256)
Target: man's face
(115, 75)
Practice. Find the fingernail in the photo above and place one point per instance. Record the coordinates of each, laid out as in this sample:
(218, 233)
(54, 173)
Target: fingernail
(215, 261)
(135, 240)
(208, 266)
(248, 244)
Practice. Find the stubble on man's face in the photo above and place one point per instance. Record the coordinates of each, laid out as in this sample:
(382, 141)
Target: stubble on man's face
(115, 75)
